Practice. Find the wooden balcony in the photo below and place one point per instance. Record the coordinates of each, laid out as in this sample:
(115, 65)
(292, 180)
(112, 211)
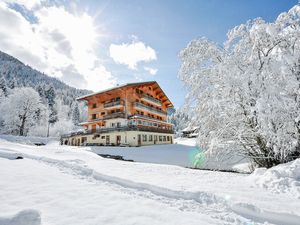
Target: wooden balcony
(152, 100)
(113, 104)
(114, 115)
(122, 128)
(149, 108)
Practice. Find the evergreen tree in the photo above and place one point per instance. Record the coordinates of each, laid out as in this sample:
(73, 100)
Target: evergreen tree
(3, 86)
(50, 96)
(11, 83)
(75, 113)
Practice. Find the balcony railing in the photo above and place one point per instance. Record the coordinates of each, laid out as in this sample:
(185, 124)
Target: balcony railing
(114, 115)
(115, 103)
(149, 108)
(151, 99)
(137, 116)
(121, 128)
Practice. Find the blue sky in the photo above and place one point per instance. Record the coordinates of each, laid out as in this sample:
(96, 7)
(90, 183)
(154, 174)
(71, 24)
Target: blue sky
(161, 28)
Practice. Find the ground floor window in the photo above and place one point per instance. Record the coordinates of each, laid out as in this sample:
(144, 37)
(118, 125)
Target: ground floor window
(150, 138)
(144, 137)
(168, 138)
(160, 138)
(164, 137)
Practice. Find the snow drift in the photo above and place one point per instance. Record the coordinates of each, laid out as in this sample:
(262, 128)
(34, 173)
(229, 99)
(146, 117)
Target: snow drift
(279, 179)
(25, 217)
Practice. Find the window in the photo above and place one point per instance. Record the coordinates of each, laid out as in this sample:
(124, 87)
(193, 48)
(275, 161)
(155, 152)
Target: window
(139, 122)
(102, 113)
(160, 138)
(168, 138)
(112, 124)
(139, 91)
(118, 99)
(94, 105)
(150, 138)
(164, 138)
(118, 124)
(144, 137)
(102, 137)
(93, 116)
(155, 138)
(142, 113)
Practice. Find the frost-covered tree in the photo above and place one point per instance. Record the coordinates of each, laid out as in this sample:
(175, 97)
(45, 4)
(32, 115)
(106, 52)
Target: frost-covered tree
(246, 94)
(20, 110)
(50, 97)
(11, 83)
(3, 86)
(75, 113)
(181, 119)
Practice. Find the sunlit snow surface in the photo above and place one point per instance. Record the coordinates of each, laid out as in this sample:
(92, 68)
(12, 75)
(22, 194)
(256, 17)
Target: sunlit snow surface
(72, 185)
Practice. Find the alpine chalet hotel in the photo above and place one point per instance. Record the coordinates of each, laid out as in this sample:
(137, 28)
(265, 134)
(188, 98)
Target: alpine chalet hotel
(133, 114)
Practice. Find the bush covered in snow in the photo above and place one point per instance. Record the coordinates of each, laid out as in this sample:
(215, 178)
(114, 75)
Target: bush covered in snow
(245, 95)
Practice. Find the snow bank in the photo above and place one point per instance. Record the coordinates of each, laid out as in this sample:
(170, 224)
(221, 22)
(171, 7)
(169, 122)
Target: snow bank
(283, 178)
(28, 140)
(25, 217)
(10, 154)
(185, 141)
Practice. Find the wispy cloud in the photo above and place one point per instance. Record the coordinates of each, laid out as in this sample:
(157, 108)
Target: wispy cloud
(131, 54)
(150, 70)
(58, 43)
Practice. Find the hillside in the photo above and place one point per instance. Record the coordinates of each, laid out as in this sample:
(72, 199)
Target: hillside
(18, 74)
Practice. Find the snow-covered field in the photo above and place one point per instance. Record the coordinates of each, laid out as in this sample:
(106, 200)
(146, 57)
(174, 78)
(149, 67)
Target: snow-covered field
(179, 154)
(72, 185)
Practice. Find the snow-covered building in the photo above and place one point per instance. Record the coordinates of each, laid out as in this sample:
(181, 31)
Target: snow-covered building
(133, 114)
(190, 132)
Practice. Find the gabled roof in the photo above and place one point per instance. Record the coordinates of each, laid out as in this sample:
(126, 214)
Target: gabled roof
(85, 97)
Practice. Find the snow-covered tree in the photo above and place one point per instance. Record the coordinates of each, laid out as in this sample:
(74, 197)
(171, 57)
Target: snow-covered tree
(50, 97)
(20, 110)
(246, 94)
(3, 86)
(75, 113)
(181, 119)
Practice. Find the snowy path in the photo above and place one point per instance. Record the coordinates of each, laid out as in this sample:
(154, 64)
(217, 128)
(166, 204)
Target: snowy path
(66, 197)
(70, 186)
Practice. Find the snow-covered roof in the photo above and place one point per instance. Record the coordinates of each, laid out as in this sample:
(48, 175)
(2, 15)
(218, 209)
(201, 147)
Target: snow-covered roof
(190, 129)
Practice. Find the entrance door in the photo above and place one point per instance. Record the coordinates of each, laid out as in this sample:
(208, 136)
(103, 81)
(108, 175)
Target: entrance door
(139, 140)
(118, 139)
(107, 140)
(93, 128)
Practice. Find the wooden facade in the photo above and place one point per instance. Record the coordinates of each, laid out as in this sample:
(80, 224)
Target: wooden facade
(139, 107)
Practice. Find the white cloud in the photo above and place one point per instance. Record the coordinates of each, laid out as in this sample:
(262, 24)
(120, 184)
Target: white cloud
(150, 70)
(132, 54)
(59, 43)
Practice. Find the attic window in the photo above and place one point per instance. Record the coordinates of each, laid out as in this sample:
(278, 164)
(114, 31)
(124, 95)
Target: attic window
(94, 105)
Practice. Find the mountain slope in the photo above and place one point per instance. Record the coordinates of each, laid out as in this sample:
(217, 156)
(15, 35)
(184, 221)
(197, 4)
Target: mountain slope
(18, 74)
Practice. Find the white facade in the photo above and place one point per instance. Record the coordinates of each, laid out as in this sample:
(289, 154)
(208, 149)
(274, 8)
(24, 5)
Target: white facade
(128, 138)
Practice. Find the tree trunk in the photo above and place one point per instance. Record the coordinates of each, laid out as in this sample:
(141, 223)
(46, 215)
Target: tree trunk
(21, 132)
